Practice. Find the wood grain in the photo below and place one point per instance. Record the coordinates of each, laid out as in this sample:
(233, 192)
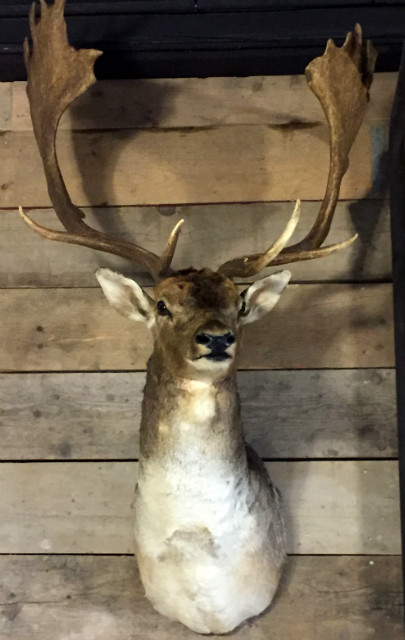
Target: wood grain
(238, 163)
(199, 102)
(287, 414)
(337, 507)
(6, 98)
(211, 235)
(76, 597)
(313, 326)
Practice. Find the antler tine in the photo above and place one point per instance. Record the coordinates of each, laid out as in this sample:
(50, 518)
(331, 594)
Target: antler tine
(168, 253)
(340, 79)
(57, 75)
(250, 265)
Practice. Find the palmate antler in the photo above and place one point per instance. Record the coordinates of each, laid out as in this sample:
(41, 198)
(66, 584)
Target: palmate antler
(340, 79)
(58, 74)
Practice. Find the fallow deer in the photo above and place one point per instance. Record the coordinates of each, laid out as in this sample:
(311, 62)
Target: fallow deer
(209, 535)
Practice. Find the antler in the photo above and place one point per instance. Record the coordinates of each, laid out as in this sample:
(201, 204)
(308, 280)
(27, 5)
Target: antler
(57, 75)
(340, 79)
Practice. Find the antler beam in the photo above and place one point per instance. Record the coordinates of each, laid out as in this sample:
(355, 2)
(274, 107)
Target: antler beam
(57, 75)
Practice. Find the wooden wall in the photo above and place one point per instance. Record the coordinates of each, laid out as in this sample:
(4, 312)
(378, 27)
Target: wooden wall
(317, 381)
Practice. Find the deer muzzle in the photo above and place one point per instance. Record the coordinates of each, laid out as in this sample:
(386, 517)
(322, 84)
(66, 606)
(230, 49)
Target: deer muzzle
(215, 343)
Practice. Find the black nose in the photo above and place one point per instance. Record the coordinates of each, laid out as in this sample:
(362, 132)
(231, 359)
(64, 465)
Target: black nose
(214, 342)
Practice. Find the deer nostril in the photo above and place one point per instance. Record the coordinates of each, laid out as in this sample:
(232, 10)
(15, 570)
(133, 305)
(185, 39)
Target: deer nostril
(229, 339)
(215, 342)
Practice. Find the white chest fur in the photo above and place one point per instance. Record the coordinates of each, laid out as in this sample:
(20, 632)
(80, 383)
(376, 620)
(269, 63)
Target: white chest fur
(203, 548)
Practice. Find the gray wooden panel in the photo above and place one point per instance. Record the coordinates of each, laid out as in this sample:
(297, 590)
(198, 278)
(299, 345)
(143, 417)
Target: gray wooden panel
(313, 326)
(331, 507)
(211, 235)
(101, 598)
(199, 102)
(6, 95)
(222, 164)
(287, 414)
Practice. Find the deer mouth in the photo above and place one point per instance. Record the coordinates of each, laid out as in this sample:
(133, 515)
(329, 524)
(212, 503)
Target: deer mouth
(215, 356)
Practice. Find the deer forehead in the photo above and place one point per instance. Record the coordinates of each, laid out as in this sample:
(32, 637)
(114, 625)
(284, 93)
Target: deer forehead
(203, 289)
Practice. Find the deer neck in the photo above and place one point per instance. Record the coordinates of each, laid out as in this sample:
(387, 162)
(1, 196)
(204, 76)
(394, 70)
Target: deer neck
(186, 419)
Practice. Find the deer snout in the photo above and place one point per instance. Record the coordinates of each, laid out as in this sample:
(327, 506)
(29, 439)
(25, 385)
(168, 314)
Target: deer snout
(212, 341)
(216, 345)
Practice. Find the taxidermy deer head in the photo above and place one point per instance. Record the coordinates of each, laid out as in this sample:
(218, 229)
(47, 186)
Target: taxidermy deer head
(209, 535)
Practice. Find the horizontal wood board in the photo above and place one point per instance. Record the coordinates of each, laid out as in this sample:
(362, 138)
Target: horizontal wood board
(334, 507)
(193, 102)
(286, 414)
(6, 105)
(211, 235)
(313, 326)
(78, 598)
(239, 163)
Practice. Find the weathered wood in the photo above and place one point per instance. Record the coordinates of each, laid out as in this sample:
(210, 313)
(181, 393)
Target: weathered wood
(211, 235)
(340, 507)
(238, 163)
(199, 102)
(313, 326)
(287, 414)
(49, 597)
(397, 200)
(6, 94)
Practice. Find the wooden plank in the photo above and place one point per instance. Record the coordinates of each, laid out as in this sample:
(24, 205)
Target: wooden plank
(240, 163)
(6, 93)
(397, 200)
(76, 597)
(313, 326)
(212, 233)
(287, 414)
(338, 507)
(199, 102)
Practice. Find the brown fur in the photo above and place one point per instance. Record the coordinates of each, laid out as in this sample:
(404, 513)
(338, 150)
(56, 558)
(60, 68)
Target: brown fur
(162, 396)
(198, 301)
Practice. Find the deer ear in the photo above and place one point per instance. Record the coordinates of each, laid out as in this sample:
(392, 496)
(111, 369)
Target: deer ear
(126, 296)
(263, 295)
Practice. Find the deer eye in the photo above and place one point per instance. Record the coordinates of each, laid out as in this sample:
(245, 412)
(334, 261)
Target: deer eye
(162, 309)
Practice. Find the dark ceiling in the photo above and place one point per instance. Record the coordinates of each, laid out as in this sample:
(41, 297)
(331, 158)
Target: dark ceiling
(184, 38)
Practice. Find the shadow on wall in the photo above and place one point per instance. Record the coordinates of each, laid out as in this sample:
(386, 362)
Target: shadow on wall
(105, 140)
(365, 219)
(98, 186)
(366, 215)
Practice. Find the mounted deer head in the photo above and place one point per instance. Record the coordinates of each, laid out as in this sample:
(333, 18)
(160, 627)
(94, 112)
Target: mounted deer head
(196, 316)
(209, 535)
